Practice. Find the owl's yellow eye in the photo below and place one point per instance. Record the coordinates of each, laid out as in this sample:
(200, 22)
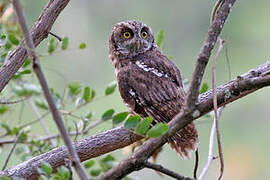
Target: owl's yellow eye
(127, 35)
(144, 34)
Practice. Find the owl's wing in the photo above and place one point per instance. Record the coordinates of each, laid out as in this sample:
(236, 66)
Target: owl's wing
(152, 93)
(155, 89)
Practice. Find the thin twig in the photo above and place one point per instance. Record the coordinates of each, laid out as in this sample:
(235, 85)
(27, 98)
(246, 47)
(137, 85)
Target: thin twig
(196, 163)
(43, 123)
(56, 36)
(166, 171)
(12, 149)
(12, 102)
(214, 87)
(56, 115)
(34, 121)
(211, 147)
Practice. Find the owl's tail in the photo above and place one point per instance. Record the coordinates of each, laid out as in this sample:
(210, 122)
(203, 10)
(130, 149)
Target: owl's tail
(185, 141)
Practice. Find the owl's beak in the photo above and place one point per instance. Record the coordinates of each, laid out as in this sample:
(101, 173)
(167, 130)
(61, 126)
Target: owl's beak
(138, 45)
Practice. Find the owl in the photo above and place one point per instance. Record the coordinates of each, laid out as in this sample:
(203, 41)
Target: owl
(149, 83)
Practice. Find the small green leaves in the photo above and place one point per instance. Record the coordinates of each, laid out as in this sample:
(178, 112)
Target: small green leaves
(46, 167)
(108, 114)
(27, 89)
(120, 117)
(111, 88)
(3, 40)
(95, 172)
(5, 178)
(89, 164)
(13, 39)
(75, 88)
(132, 122)
(82, 46)
(87, 94)
(3, 109)
(27, 62)
(159, 38)
(41, 104)
(158, 130)
(51, 46)
(204, 88)
(107, 163)
(144, 125)
(64, 42)
(62, 173)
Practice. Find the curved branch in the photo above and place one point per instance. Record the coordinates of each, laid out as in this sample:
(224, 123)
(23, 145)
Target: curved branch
(119, 137)
(39, 32)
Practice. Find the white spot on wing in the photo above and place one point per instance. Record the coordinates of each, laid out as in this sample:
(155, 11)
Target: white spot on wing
(132, 93)
(150, 69)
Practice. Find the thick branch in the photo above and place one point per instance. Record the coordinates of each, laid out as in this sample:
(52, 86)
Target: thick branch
(39, 32)
(119, 137)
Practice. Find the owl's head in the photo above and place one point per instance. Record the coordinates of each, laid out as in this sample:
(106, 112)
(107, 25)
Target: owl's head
(130, 38)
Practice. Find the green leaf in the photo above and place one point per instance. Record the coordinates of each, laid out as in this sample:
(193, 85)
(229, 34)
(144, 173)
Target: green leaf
(107, 163)
(159, 38)
(95, 172)
(132, 122)
(3, 40)
(27, 89)
(120, 117)
(89, 115)
(5, 178)
(63, 172)
(3, 109)
(158, 130)
(41, 104)
(13, 39)
(20, 73)
(51, 46)
(82, 46)
(144, 125)
(27, 62)
(8, 45)
(46, 167)
(111, 87)
(75, 88)
(64, 42)
(89, 164)
(204, 88)
(87, 94)
(108, 114)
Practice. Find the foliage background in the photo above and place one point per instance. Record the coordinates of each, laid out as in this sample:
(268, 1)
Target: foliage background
(244, 123)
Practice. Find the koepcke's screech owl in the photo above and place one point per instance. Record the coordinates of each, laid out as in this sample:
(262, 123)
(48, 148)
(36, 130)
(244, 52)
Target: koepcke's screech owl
(149, 83)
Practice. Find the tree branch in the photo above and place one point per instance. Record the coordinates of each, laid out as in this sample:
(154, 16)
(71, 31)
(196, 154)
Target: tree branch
(120, 137)
(38, 32)
(165, 171)
(47, 93)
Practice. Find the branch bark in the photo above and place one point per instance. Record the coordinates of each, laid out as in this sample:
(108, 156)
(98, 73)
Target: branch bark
(38, 32)
(120, 137)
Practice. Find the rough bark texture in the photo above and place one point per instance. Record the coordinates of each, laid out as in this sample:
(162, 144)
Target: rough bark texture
(119, 137)
(39, 32)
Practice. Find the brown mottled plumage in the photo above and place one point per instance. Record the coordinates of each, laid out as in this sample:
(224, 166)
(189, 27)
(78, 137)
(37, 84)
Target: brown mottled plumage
(149, 83)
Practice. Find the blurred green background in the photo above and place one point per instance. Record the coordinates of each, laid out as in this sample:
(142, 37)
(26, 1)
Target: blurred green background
(245, 125)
